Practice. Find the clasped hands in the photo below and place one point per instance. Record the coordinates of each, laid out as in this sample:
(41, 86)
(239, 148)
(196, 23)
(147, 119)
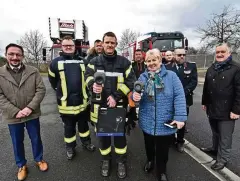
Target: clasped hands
(24, 113)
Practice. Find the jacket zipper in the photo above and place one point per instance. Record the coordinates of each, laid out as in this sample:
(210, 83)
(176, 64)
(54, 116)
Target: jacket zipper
(155, 109)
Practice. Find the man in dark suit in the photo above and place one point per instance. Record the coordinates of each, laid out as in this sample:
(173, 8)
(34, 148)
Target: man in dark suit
(187, 73)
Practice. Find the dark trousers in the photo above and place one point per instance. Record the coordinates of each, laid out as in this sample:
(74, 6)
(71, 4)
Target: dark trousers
(132, 114)
(181, 132)
(17, 135)
(222, 138)
(158, 147)
(120, 147)
(70, 122)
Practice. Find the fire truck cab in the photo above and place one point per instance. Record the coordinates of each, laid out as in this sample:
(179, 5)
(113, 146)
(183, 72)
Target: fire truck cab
(59, 28)
(164, 41)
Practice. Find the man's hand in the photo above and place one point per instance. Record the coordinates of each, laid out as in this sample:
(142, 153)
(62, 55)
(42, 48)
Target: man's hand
(97, 88)
(178, 123)
(136, 96)
(234, 116)
(20, 115)
(26, 111)
(204, 107)
(111, 101)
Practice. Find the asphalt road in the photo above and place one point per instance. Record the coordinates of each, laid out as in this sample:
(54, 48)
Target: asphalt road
(86, 166)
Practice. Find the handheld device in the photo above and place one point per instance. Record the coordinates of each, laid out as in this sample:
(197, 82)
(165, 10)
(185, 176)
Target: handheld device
(99, 78)
(138, 87)
(168, 124)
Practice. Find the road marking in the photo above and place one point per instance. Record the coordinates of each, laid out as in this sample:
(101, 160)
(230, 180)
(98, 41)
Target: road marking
(206, 161)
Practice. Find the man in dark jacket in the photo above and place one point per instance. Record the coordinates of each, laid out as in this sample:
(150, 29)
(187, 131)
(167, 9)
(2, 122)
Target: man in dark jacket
(66, 75)
(119, 83)
(187, 73)
(221, 101)
(95, 51)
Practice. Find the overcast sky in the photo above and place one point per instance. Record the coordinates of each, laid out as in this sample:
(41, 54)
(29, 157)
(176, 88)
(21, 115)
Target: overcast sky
(19, 16)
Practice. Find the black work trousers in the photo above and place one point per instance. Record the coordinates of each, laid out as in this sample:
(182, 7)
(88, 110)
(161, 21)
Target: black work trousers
(157, 147)
(70, 122)
(120, 147)
(181, 132)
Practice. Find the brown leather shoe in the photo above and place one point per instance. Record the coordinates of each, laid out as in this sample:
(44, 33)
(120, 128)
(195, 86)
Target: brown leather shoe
(22, 173)
(42, 165)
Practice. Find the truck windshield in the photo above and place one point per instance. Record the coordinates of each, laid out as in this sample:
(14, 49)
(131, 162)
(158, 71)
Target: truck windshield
(55, 52)
(168, 44)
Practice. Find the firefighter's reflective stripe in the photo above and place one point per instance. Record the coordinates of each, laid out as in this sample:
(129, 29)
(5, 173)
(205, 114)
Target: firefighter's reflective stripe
(70, 140)
(89, 79)
(63, 108)
(91, 66)
(121, 86)
(63, 83)
(70, 61)
(121, 151)
(83, 135)
(51, 73)
(105, 152)
(84, 84)
(94, 114)
(128, 71)
(124, 89)
(72, 109)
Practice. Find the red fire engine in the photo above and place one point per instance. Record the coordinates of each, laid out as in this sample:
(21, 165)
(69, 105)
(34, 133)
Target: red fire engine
(75, 28)
(164, 41)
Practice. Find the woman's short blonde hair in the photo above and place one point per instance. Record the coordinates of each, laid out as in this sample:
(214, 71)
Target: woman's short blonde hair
(154, 52)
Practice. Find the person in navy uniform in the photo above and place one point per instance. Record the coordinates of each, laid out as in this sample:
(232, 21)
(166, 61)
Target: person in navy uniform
(187, 73)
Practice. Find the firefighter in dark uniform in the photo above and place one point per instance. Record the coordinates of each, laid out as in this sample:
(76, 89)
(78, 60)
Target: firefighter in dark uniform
(119, 83)
(66, 75)
(187, 73)
(138, 66)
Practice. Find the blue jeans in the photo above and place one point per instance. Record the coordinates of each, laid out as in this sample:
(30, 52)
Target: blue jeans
(17, 135)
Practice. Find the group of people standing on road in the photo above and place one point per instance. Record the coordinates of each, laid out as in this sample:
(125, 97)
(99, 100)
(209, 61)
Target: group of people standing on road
(166, 98)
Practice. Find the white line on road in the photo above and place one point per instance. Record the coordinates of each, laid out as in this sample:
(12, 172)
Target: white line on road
(206, 161)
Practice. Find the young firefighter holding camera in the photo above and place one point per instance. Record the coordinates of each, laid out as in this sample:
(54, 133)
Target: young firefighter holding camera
(118, 83)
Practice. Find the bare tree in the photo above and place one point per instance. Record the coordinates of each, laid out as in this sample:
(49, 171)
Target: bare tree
(192, 50)
(128, 36)
(223, 27)
(33, 42)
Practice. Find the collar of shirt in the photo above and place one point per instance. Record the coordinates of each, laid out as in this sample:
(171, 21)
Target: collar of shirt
(15, 67)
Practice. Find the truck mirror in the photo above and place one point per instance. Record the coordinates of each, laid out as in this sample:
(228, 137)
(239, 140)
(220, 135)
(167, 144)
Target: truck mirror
(44, 53)
(186, 44)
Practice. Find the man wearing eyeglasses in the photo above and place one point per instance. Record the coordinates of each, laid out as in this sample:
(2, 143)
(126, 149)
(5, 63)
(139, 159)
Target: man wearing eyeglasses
(66, 75)
(187, 73)
(21, 92)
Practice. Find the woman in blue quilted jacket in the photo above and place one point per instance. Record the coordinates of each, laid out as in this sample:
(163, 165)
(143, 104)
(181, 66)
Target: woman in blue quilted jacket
(162, 101)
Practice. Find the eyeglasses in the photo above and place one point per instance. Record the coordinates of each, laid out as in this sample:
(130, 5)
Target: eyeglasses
(68, 46)
(14, 54)
(181, 55)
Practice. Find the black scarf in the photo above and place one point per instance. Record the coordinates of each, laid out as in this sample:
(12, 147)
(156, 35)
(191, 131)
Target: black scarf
(219, 66)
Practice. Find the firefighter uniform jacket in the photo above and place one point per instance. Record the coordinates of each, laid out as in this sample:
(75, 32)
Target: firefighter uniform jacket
(119, 81)
(187, 73)
(66, 75)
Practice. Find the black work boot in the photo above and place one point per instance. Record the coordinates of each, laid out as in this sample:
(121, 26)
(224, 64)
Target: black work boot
(89, 147)
(121, 170)
(70, 153)
(105, 168)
